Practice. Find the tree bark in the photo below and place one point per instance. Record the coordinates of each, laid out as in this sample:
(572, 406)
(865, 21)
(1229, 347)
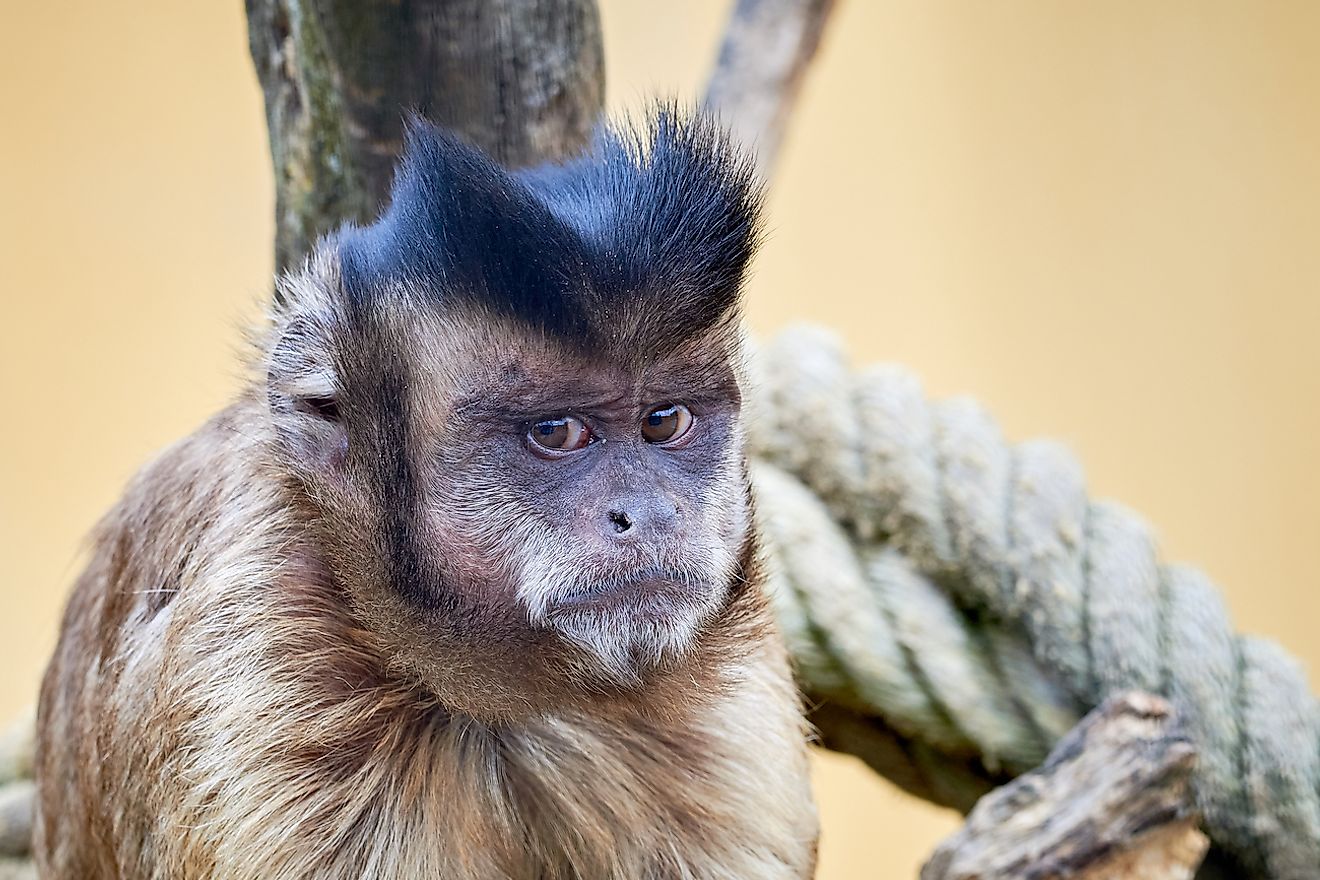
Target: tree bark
(522, 79)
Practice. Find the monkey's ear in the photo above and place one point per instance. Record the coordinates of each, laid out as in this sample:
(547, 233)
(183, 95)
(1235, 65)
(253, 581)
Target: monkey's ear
(302, 389)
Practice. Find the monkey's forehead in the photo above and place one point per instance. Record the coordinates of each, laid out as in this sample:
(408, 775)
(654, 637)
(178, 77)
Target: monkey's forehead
(473, 354)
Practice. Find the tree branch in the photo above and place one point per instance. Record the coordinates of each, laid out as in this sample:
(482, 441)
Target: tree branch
(1111, 802)
(768, 45)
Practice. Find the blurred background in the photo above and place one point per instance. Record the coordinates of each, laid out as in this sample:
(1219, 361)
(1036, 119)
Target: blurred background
(1101, 219)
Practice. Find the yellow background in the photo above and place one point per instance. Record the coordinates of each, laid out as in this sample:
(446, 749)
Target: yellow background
(1102, 219)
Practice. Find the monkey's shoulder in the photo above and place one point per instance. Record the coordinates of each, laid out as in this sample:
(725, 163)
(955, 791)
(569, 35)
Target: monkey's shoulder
(179, 522)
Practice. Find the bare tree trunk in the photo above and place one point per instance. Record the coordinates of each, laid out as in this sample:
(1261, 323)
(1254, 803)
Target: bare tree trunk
(522, 79)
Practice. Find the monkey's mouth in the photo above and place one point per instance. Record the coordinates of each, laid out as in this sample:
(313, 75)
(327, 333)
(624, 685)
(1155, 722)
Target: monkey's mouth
(630, 625)
(653, 594)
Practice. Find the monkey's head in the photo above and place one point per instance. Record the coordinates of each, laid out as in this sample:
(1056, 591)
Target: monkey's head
(510, 412)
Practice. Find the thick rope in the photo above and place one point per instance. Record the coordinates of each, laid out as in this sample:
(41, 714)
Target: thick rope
(968, 594)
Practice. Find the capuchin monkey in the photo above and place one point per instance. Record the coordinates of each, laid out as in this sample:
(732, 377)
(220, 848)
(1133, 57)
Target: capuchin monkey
(465, 583)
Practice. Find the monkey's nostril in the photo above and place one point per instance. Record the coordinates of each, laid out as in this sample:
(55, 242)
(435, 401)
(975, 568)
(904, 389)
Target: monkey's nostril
(620, 520)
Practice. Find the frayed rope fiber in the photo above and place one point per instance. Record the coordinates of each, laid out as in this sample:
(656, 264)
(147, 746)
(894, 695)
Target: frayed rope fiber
(967, 595)
(955, 604)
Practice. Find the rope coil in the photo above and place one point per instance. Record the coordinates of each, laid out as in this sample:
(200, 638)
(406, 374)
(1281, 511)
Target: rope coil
(969, 594)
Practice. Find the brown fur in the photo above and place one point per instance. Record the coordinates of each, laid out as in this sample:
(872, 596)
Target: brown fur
(224, 703)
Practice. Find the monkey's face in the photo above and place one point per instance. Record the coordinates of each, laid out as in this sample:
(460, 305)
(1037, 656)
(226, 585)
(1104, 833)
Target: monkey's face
(535, 508)
(601, 493)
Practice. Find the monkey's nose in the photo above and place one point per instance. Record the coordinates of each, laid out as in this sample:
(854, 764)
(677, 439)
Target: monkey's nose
(620, 520)
(639, 520)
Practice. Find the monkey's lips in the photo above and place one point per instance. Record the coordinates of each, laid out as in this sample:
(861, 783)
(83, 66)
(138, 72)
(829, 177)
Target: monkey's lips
(654, 594)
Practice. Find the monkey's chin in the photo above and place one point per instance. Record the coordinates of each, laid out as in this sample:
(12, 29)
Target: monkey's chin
(626, 630)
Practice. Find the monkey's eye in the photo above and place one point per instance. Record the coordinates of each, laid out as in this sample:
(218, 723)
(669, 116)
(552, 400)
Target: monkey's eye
(556, 437)
(325, 407)
(666, 424)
